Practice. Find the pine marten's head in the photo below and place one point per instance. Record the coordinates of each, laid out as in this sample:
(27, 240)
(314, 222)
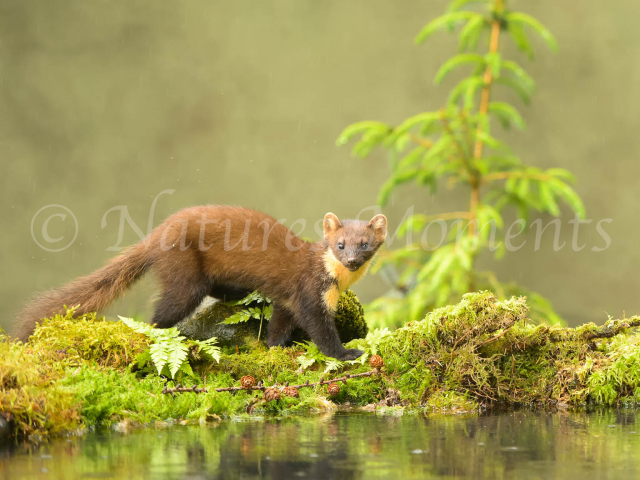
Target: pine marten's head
(354, 242)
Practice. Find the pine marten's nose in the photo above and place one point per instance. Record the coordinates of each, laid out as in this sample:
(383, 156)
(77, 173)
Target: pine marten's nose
(351, 261)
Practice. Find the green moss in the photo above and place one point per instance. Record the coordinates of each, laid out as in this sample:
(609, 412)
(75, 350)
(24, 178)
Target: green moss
(452, 402)
(87, 338)
(486, 351)
(260, 362)
(350, 320)
(479, 352)
(32, 399)
(108, 396)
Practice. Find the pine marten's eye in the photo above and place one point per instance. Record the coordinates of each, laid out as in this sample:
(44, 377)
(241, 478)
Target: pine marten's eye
(365, 246)
(341, 246)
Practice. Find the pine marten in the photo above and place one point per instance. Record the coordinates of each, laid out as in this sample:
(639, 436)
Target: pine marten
(227, 252)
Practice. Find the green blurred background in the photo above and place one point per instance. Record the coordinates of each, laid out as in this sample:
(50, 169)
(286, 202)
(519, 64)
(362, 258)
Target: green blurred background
(109, 103)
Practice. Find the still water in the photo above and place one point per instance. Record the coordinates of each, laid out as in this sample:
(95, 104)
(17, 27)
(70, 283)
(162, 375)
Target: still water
(522, 445)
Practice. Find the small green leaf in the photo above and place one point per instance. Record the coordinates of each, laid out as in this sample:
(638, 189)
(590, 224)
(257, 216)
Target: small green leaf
(356, 128)
(370, 139)
(434, 262)
(208, 347)
(423, 119)
(470, 33)
(498, 163)
(464, 86)
(411, 159)
(494, 60)
(332, 364)
(470, 92)
(253, 297)
(458, 60)
(529, 21)
(491, 141)
(520, 74)
(547, 199)
(520, 39)
(507, 114)
(443, 270)
(511, 184)
(464, 259)
(561, 173)
(385, 191)
(449, 20)
(523, 188)
(516, 86)
(486, 214)
(439, 149)
(186, 369)
(305, 362)
(240, 317)
(569, 195)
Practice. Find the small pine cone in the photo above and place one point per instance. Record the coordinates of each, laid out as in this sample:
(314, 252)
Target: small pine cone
(291, 392)
(376, 361)
(271, 394)
(333, 389)
(247, 381)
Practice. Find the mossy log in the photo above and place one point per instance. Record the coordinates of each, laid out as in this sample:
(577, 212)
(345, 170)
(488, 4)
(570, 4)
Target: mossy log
(208, 320)
(478, 353)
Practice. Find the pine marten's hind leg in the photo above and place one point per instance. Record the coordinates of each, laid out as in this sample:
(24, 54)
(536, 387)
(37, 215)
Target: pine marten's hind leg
(183, 289)
(280, 327)
(177, 304)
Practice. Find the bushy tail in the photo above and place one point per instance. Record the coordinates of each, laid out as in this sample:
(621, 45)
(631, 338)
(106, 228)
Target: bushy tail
(92, 292)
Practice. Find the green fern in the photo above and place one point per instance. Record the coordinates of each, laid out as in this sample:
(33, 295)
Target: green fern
(208, 348)
(264, 312)
(169, 352)
(314, 355)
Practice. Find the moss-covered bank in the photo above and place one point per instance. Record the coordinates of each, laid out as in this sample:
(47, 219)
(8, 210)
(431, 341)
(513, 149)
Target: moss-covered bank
(81, 372)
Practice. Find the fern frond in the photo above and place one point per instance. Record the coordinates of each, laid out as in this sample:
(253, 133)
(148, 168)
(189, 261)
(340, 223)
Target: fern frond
(208, 347)
(332, 364)
(160, 355)
(177, 356)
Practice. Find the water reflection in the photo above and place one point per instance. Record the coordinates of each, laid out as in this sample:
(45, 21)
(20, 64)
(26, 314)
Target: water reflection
(523, 445)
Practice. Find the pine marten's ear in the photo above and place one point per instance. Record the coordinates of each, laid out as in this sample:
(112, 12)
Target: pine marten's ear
(379, 226)
(331, 224)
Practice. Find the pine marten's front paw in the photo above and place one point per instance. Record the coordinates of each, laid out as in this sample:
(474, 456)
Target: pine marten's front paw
(351, 354)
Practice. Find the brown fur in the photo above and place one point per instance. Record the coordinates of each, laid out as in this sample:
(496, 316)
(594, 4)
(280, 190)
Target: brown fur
(227, 252)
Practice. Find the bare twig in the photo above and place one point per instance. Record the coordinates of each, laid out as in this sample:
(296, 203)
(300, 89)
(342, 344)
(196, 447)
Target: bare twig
(260, 386)
(179, 389)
